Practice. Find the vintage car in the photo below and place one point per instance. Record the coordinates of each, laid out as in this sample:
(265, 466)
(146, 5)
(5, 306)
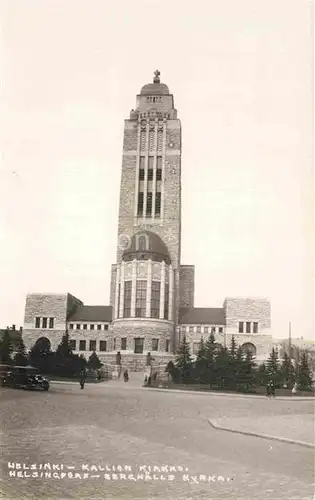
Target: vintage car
(25, 377)
(4, 369)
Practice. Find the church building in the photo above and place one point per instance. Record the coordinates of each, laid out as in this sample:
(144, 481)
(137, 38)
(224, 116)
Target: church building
(151, 292)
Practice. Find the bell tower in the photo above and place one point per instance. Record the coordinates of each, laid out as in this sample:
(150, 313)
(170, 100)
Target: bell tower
(150, 199)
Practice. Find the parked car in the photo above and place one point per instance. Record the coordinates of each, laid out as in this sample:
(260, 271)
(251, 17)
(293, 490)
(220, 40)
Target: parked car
(4, 369)
(25, 377)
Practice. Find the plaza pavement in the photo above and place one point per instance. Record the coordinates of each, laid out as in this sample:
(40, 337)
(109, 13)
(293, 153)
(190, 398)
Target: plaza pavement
(116, 423)
(287, 428)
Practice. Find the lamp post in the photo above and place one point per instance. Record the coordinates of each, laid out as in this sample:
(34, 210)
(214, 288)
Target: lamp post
(290, 343)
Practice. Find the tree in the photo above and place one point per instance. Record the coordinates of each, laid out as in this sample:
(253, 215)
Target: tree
(262, 375)
(173, 371)
(41, 356)
(65, 362)
(210, 352)
(232, 370)
(304, 375)
(94, 362)
(20, 358)
(6, 348)
(64, 350)
(249, 372)
(184, 361)
(201, 363)
(222, 368)
(272, 368)
(287, 371)
(239, 368)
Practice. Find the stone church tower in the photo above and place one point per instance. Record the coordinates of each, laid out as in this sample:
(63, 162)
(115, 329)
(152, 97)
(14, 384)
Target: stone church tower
(152, 293)
(146, 279)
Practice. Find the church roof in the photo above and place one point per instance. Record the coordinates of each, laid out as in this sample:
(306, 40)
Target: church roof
(202, 316)
(155, 88)
(92, 313)
(146, 245)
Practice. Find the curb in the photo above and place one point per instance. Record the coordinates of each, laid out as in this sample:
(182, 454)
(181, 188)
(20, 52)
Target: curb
(73, 383)
(180, 391)
(223, 394)
(263, 436)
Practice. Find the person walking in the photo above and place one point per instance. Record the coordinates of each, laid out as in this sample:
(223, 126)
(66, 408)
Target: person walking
(82, 378)
(126, 375)
(268, 389)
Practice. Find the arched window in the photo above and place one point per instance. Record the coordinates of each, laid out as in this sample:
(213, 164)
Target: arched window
(43, 344)
(248, 347)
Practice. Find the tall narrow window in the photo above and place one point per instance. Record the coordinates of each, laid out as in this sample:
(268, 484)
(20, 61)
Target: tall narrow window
(158, 204)
(138, 345)
(140, 203)
(103, 345)
(248, 325)
(141, 168)
(92, 345)
(91, 327)
(82, 346)
(155, 299)
(167, 345)
(51, 322)
(123, 343)
(44, 325)
(73, 344)
(141, 174)
(255, 327)
(127, 299)
(149, 205)
(155, 344)
(241, 327)
(166, 296)
(158, 174)
(37, 322)
(150, 174)
(141, 296)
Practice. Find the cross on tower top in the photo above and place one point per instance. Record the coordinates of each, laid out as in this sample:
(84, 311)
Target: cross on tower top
(156, 78)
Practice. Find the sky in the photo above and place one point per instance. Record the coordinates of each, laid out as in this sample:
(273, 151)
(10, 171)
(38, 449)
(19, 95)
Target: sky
(242, 78)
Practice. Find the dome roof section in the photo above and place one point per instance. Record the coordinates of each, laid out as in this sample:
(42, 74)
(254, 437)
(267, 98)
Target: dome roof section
(155, 88)
(146, 245)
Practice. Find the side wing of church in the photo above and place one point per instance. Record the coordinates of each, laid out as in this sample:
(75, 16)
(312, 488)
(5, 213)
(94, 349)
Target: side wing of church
(151, 291)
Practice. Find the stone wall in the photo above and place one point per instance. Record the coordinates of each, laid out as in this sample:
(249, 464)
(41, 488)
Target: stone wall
(45, 305)
(246, 309)
(186, 285)
(136, 362)
(143, 328)
(113, 287)
(262, 343)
